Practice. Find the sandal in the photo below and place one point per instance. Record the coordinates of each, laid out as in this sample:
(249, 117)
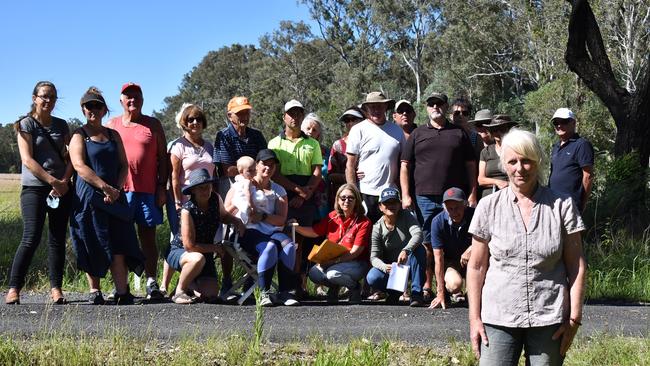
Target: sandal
(183, 298)
(377, 296)
(12, 297)
(57, 296)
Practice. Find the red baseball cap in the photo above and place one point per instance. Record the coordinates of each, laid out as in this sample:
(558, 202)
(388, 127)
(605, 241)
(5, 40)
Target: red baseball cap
(130, 84)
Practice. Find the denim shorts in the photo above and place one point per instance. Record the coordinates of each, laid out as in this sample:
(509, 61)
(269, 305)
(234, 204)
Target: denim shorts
(174, 261)
(146, 212)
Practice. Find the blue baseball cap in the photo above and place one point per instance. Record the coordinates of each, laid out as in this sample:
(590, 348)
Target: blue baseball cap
(389, 194)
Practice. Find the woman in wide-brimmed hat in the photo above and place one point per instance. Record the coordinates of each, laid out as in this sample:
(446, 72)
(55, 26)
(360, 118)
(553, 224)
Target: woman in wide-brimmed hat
(480, 119)
(192, 248)
(491, 176)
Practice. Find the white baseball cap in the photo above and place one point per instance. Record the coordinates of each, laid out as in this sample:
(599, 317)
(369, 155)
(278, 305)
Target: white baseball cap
(564, 113)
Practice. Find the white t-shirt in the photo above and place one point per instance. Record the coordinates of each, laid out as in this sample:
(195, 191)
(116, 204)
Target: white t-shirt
(240, 186)
(378, 151)
(266, 203)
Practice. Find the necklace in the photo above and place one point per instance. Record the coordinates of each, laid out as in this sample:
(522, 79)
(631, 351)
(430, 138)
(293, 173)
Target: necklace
(196, 148)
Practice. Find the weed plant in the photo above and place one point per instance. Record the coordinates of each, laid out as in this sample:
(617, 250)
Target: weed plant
(58, 348)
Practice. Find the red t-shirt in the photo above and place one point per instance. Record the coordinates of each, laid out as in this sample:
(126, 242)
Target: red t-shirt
(347, 232)
(141, 147)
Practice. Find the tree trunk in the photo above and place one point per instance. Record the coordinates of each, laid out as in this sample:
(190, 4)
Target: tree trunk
(586, 56)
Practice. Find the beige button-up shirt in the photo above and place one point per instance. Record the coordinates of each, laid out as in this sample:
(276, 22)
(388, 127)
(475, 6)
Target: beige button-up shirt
(526, 282)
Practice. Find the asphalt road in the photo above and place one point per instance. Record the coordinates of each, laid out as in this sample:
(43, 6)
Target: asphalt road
(338, 323)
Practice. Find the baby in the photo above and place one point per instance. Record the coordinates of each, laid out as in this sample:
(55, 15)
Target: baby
(244, 191)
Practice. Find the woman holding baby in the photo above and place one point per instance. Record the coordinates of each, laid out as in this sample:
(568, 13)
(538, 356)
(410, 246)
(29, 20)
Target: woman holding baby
(264, 238)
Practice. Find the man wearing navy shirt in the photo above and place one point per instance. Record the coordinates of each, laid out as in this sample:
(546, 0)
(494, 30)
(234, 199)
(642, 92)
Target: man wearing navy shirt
(572, 160)
(451, 245)
(235, 141)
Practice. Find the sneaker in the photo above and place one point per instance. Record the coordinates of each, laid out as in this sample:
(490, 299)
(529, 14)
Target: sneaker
(321, 291)
(427, 294)
(288, 299)
(265, 300)
(96, 298)
(333, 295)
(355, 296)
(392, 299)
(111, 296)
(416, 301)
(124, 299)
(153, 292)
(457, 298)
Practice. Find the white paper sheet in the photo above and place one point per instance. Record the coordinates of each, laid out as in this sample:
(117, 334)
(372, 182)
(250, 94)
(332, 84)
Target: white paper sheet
(398, 278)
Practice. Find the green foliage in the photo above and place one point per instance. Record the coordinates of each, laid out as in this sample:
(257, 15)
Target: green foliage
(620, 194)
(59, 348)
(619, 265)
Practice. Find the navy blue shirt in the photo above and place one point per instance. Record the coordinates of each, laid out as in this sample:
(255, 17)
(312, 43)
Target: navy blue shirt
(451, 238)
(229, 146)
(567, 162)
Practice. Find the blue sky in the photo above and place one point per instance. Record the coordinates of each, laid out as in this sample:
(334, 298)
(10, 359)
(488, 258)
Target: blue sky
(76, 44)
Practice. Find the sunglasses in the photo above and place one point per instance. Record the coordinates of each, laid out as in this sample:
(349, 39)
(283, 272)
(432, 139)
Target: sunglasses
(561, 122)
(195, 119)
(436, 103)
(346, 198)
(350, 120)
(464, 113)
(93, 106)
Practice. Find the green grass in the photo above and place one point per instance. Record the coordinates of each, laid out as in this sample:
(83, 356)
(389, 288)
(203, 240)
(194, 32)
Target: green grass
(58, 348)
(619, 263)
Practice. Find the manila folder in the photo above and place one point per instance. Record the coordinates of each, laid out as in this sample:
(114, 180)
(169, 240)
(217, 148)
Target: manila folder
(328, 250)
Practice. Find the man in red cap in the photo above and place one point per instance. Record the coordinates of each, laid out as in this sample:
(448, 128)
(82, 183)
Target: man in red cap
(146, 181)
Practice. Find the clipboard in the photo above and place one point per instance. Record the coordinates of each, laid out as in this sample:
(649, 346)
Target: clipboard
(326, 251)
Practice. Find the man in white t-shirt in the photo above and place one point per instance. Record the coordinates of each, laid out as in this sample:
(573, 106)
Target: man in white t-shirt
(373, 152)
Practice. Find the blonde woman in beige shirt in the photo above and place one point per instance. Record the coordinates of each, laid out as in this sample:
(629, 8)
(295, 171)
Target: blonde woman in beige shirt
(526, 274)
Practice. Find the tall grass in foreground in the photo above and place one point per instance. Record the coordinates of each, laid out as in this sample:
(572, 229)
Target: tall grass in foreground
(120, 349)
(619, 263)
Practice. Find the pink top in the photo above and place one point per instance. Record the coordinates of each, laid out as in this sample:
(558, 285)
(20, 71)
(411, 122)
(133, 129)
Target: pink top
(141, 146)
(192, 158)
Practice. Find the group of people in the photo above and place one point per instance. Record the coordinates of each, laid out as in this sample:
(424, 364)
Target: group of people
(457, 200)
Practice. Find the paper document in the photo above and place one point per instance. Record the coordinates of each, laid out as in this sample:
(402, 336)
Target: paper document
(399, 277)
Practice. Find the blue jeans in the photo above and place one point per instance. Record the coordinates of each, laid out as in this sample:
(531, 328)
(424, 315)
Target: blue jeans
(345, 274)
(505, 344)
(378, 279)
(428, 207)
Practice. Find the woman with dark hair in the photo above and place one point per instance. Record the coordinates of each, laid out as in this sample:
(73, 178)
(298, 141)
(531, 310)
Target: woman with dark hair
(491, 175)
(101, 226)
(264, 238)
(192, 248)
(45, 177)
(348, 226)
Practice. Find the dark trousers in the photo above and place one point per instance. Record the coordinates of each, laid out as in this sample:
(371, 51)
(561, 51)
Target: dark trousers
(34, 209)
(372, 205)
